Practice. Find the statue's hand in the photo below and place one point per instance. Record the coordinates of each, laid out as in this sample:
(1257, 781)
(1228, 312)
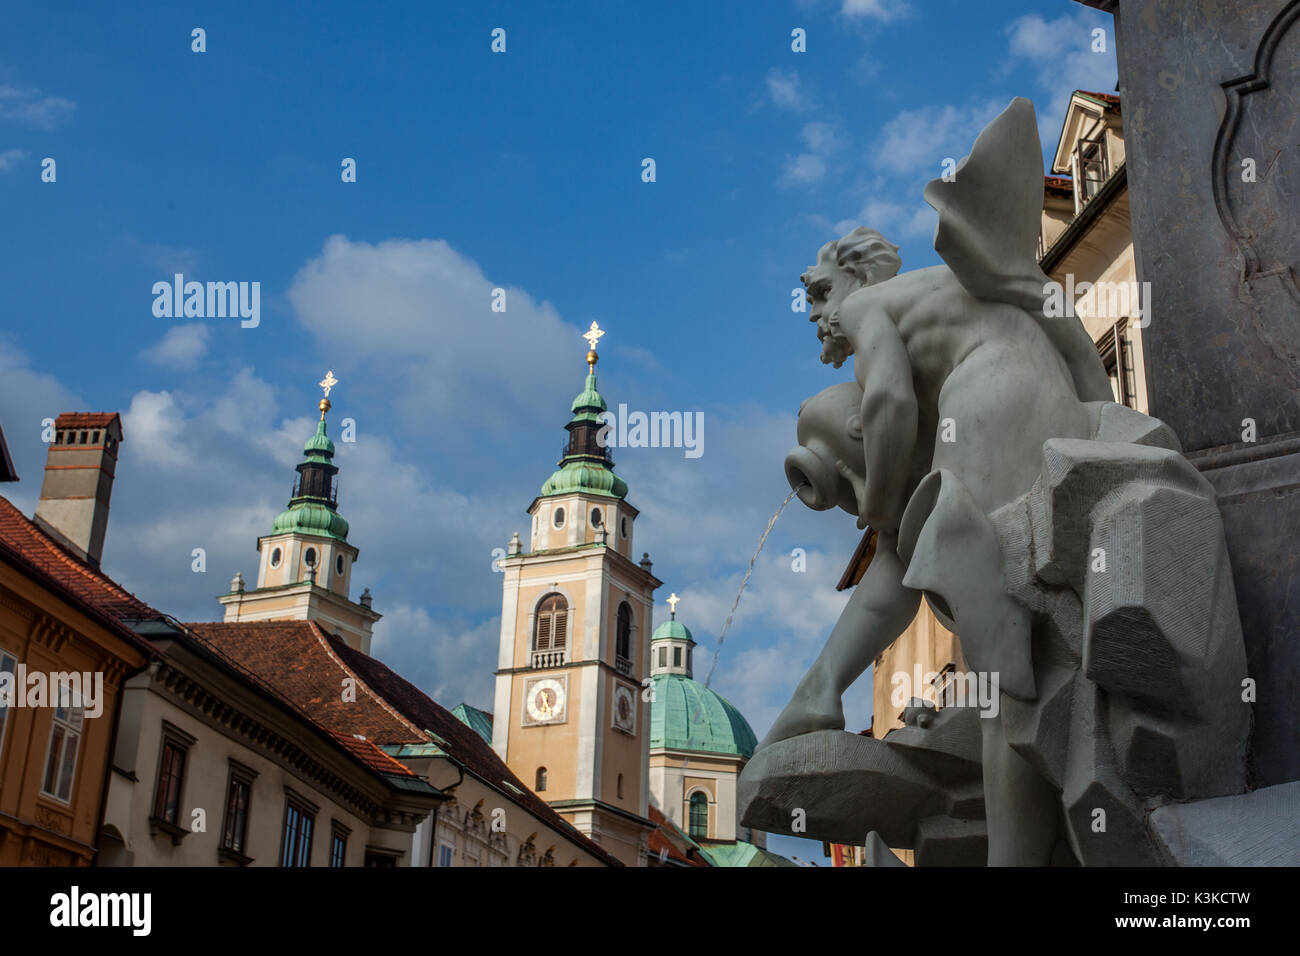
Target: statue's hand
(859, 486)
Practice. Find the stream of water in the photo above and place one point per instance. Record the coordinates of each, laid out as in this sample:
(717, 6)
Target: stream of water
(722, 636)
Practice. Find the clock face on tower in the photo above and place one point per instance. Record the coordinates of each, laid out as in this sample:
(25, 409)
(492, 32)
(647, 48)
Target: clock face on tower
(544, 700)
(624, 709)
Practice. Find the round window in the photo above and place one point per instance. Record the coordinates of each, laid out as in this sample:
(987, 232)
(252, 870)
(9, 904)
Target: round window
(596, 517)
(559, 517)
(309, 557)
(623, 527)
(338, 565)
(276, 555)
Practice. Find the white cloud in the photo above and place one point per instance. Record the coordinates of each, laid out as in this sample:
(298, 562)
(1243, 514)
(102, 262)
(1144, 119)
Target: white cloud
(27, 397)
(894, 220)
(822, 140)
(1061, 55)
(882, 10)
(918, 141)
(803, 170)
(181, 347)
(418, 315)
(165, 258)
(10, 158)
(786, 90)
(34, 108)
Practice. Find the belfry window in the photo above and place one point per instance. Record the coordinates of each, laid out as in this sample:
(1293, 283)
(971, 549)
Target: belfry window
(552, 631)
(699, 818)
(623, 639)
(541, 780)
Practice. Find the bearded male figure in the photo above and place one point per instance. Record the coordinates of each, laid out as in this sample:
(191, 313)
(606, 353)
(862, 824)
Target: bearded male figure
(965, 387)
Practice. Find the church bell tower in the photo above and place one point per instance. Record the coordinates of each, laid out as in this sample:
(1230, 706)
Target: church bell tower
(571, 718)
(304, 568)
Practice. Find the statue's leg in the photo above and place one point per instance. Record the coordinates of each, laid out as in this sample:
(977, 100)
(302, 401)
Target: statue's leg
(879, 609)
(1022, 809)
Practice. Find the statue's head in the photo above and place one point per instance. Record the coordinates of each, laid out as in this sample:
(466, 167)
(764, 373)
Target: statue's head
(829, 431)
(861, 258)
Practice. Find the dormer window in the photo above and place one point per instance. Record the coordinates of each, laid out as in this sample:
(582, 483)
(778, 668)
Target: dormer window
(1091, 166)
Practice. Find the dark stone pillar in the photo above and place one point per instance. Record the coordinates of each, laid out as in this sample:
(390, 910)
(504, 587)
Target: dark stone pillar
(1211, 94)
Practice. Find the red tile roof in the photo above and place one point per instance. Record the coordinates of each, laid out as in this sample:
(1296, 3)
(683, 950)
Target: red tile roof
(369, 754)
(85, 419)
(30, 548)
(666, 836)
(1110, 99)
(295, 662)
(298, 662)
(1063, 185)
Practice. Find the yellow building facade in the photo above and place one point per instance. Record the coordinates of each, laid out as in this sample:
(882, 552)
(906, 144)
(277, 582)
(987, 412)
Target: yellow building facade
(570, 713)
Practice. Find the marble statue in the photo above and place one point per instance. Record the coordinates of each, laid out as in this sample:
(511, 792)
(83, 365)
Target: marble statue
(1076, 554)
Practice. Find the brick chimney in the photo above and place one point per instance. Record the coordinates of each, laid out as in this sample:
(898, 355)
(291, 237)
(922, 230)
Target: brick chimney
(79, 481)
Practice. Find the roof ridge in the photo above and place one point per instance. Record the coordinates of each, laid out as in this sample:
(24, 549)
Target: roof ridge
(58, 553)
(388, 708)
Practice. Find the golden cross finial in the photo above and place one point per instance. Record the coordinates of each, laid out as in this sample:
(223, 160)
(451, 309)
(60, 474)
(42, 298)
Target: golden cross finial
(592, 335)
(673, 601)
(327, 383)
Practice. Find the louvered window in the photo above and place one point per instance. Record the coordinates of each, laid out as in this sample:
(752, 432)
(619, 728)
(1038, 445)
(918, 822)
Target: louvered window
(623, 643)
(552, 624)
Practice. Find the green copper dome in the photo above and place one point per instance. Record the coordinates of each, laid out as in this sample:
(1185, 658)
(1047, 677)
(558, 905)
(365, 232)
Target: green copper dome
(319, 444)
(587, 477)
(672, 630)
(686, 715)
(311, 518)
(589, 403)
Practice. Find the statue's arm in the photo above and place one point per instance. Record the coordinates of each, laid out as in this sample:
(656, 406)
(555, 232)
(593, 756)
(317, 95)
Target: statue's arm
(879, 609)
(889, 417)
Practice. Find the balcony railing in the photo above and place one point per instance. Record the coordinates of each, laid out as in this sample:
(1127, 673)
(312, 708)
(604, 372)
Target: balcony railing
(543, 659)
(623, 666)
(586, 443)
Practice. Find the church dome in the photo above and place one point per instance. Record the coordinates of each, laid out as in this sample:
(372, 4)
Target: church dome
(672, 630)
(319, 444)
(686, 715)
(311, 518)
(585, 476)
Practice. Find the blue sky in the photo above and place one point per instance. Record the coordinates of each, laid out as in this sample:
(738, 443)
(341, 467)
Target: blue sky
(477, 170)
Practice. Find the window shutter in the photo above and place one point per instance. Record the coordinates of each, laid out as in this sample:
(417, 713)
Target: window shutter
(544, 632)
(561, 628)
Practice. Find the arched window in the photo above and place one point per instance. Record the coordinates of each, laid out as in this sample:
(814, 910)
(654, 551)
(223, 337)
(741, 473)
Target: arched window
(623, 640)
(699, 814)
(620, 786)
(552, 631)
(541, 779)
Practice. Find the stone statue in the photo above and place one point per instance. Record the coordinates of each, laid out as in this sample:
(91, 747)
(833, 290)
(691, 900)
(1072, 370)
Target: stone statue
(1077, 556)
